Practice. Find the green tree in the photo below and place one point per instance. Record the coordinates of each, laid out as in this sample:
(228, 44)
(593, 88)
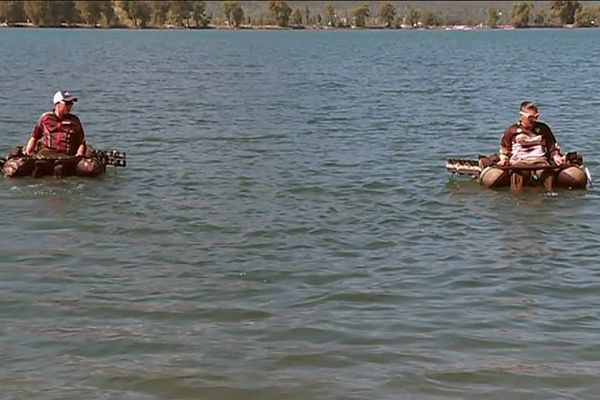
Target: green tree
(387, 13)
(411, 16)
(12, 11)
(297, 17)
(588, 16)
(564, 10)
(306, 16)
(238, 15)
(360, 15)
(140, 12)
(136, 11)
(329, 15)
(158, 12)
(198, 14)
(108, 12)
(343, 20)
(50, 13)
(121, 8)
(40, 13)
(180, 12)
(280, 12)
(540, 18)
(65, 11)
(90, 11)
(493, 17)
(430, 18)
(228, 11)
(520, 14)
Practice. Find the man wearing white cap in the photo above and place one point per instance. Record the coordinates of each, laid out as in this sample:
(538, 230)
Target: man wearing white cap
(59, 130)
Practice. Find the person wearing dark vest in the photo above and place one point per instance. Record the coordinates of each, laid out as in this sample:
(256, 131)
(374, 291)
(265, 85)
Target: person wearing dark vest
(530, 143)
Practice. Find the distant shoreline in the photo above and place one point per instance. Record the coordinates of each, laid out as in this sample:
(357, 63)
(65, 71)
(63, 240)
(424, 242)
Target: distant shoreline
(24, 25)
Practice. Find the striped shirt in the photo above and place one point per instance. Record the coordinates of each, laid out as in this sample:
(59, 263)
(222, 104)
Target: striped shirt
(63, 134)
(519, 143)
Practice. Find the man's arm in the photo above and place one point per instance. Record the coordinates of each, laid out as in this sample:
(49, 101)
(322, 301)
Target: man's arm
(82, 146)
(30, 146)
(36, 133)
(552, 147)
(505, 147)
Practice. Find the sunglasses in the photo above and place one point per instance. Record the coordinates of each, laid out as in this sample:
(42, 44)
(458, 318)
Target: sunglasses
(529, 116)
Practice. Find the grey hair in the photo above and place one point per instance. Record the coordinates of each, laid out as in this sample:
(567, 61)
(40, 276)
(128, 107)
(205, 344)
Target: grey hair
(529, 105)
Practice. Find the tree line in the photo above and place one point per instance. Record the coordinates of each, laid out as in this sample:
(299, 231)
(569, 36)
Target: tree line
(191, 13)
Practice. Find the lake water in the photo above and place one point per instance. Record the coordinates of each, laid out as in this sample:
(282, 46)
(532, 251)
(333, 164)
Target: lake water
(285, 227)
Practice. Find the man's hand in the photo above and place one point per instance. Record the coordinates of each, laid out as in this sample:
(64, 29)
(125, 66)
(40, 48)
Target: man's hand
(558, 159)
(502, 163)
(28, 150)
(80, 151)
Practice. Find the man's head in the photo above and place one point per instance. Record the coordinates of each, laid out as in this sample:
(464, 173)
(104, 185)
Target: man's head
(63, 101)
(528, 114)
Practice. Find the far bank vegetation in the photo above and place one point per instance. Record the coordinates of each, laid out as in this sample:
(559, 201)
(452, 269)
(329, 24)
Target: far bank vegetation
(295, 15)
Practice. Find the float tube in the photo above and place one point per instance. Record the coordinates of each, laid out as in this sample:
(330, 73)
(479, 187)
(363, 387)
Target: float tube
(47, 162)
(571, 175)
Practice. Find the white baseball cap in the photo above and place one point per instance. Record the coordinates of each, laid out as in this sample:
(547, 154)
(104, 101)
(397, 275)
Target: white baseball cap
(63, 95)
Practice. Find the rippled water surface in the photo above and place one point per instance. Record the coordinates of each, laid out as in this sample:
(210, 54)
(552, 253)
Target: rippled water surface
(285, 227)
